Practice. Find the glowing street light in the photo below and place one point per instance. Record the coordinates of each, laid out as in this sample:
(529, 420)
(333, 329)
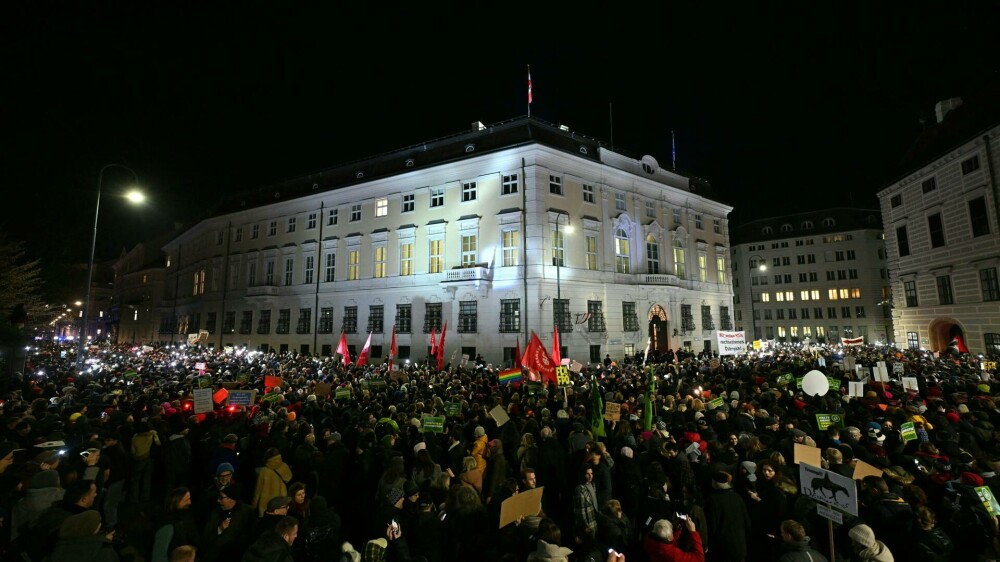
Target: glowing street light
(133, 196)
(761, 266)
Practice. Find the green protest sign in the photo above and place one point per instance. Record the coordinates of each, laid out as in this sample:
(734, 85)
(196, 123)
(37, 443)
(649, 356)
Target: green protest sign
(432, 424)
(453, 409)
(784, 379)
(343, 392)
(717, 403)
(131, 375)
(204, 382)
(908, 432)
(823, 421)
(533, 388)
(273, 397)
(798, 382)
(990, 502)
(242, 378)
(834, 383)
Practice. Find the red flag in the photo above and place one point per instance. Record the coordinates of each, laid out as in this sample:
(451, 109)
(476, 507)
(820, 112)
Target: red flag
(343, 350)
(529, 85)
(440, 347)
(363, 358)
(556, 350)
(392, 347)
(434, 349)
(538, 360)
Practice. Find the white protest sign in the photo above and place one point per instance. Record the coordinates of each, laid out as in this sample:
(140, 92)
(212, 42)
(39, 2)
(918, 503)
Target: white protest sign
(821, 361)
(499, 415)
(731, 343)
(829, 487)
(829, 513)
(856, 389)
(203, 400)
(910, 383)
(898, 368)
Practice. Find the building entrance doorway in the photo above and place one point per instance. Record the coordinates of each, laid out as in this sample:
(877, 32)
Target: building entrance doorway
(945, 330)
(659, 336)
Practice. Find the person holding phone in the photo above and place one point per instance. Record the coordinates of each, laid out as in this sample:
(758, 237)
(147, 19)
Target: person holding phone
(661, 543)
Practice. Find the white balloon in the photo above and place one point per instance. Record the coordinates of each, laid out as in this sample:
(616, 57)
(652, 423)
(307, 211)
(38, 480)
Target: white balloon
(815, 383)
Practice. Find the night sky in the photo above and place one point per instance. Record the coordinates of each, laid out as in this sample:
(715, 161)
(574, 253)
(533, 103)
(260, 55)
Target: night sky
(781, 107)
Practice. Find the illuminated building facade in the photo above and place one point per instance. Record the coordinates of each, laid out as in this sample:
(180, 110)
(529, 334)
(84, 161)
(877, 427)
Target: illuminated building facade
(497, 231)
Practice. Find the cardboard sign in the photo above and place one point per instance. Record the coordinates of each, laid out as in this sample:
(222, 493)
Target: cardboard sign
(575, 367)
(731, 343)
(562, 376)
(908, 432)
(910, 383)
(242, 397)
(612, 411)
(821, 361)
(432, 424)
(829, 487)
(823, 421)
(343, 393)
(322, 389)
(804, 454)
(203, 400)
(898, 368)
(453, 409)
(989, 502)
(524, 504)
(856, 389)
(862, 469)
(500, 415)
(756, 345)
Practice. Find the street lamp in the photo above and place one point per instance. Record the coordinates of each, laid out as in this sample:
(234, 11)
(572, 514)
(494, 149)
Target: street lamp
(133, 196)
(761, 266)
(559, 245)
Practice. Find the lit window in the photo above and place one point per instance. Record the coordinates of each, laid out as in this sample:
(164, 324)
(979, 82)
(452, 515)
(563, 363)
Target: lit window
(591, 243)
(353, 263)
(720, 269)
(381, 207)
(406, 259)
(702, 268)
(436, 256)
(679, 261)
(832, 294)
(510, 243)
(379, 271)
(765, 297)
(622, 261)
(470, 253)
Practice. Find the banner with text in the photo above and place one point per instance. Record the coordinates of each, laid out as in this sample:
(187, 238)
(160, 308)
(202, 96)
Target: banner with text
(732, 343)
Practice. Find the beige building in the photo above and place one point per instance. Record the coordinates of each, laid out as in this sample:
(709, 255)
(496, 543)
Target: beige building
(819, 276)
(943, 239)
(497, 231)
(139, 276)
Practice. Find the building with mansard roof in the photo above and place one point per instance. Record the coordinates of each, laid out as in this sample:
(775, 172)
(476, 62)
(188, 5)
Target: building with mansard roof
(817, 276)
(497, 231)
(942, 231)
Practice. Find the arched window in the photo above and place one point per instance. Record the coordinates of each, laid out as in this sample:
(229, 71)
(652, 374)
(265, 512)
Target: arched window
(767, 230)
(786, 228)
(828, 221)
(807, 225)
(652, 255)
(622, 262)
(680, 270)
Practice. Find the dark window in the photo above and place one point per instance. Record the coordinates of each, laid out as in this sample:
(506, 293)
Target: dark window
(210, 322)
(404, 319)
(468, 317)
(327, 350)
(432, 317)
(944, 290)
(902, 241)
(912, 340)
(304, 325)
(229, 323)
(979, 217)
(596, 321)
(246, 321)
(350, 324)
(376, 318)
(510, 315)
(595, 353)
(707, 323)
(970, 165)
(284, 320)
(725, 322)
(990, 285)
(936, 229)
(992, 341)
(264, 322)
(560, 310)
(325, 320)
(629, 318)
(928, 185)
(895, 201)
(687, 319)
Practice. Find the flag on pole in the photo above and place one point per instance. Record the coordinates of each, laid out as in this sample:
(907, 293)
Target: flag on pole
(596, 409)
(529, 84)
(511, 376)
(392, 347)
(434, 349)
(440, 347)
(343, 350)
(648, 402)
(556, 350)
(363, 357)
(537, 360)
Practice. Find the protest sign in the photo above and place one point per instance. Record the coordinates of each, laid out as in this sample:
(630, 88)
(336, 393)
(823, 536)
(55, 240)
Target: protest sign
(898, 368)
(203, 400)
(910, 383)
(834, 383)
(908, 432)
(499, 415)
(829, 487)
(823, 421)
(613, 411)
(220, 396)
(343, 393)
(862, 469)
(453, 409)
(717, 403)
(204, 382)
(575, 367)
(242, 397)
(525, 504)
(731, 343)
(808, 455)
(989, 501)
(856, 389)
(432, 424)
(562, 376)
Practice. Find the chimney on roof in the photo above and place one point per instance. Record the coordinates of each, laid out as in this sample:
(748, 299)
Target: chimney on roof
(944, 107)
(478, 125)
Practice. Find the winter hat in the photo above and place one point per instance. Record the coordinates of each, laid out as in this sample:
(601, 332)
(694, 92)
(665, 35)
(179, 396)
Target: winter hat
(80, 525)
(278, 502)
(734, 395)
(722, 480)
(876, 435)
(751, 468)
(335, 436)
(375, 550)
(419, 447)
(796, 432)
(224, 467)
(972, 479)
(393, 495)
(953, 417)
(410, 488)
(699, 415)
(45, 479)
(479, 431)
(963, 409)
(349, 554)
(863, 535)
(627, 452)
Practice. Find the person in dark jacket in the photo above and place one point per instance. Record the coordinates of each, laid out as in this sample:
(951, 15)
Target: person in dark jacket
(932, 545)
(276, 545)
(228, 524)
(81, 540)
(795, 544)
(728, 520)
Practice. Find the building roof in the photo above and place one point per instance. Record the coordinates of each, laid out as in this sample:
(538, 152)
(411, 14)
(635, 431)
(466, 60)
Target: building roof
(809, 223)
(470, 143)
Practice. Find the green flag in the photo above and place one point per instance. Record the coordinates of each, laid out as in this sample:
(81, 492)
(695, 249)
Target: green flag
(596, 408)
(648, 407)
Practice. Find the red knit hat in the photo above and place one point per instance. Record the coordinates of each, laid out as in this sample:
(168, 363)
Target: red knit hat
(953, 417)
(972, 479)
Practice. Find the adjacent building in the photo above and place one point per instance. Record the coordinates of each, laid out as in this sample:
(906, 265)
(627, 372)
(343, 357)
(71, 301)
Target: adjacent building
(138, 289)
(818, 276)
(497, 232)
(943, 238)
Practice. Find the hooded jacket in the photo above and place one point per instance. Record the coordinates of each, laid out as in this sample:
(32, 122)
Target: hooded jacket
(30, 507)
(271, 482)
(876, 553)
(549, 553)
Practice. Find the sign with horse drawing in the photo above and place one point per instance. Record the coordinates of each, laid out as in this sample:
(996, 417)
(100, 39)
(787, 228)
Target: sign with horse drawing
(830, 488)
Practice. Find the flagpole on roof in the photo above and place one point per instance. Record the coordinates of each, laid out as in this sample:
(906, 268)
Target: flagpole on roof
(529, 91)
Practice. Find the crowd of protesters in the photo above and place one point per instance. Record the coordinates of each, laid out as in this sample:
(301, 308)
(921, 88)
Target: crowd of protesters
(331, 462)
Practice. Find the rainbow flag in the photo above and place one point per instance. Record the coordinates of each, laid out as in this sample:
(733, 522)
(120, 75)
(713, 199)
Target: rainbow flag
(512, 375)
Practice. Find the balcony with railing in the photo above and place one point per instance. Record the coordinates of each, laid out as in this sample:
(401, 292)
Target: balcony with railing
(262, 291)
(474, 274)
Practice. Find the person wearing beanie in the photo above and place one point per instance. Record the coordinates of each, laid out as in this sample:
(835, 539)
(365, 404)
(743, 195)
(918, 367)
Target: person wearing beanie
(479, 448)
(80, 540)
(272, 481)
(226, 527)
(728, 520)
(43, 493)
(866, 547)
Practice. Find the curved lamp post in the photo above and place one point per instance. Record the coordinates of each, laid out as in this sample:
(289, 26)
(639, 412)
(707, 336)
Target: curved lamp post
(133, 196)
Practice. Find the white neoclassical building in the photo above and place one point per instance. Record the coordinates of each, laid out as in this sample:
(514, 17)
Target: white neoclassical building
(497, 231)
(942, 230)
